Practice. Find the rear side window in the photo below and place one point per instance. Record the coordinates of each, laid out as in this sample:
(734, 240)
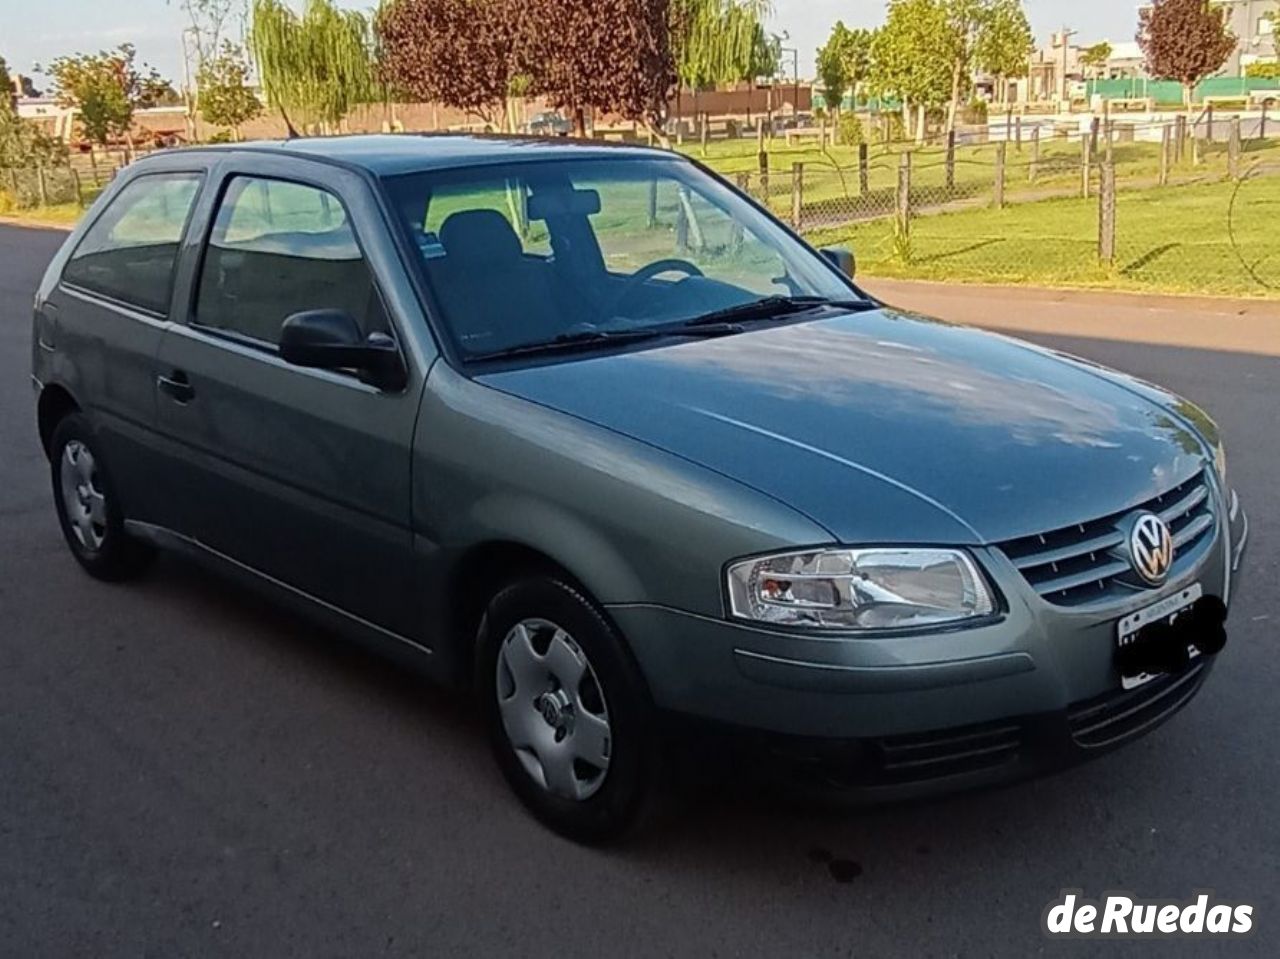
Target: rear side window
(129, 252)
(279, 248)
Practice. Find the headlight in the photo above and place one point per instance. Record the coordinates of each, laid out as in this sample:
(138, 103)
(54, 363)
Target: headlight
(877, 588)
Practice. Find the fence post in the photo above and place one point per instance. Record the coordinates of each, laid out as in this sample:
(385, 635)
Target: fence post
(1166, 145)
(653, 204)
(764, 177)
(1033, 167)
(1017, 128)
(735, 230)
(1233, 150)
(1094, 126)
(1262, 124)
(42, 186)
(1086, 166)
(75, 181)
(1002, 150)
(797, 196)
(951, 160)
(1180, 128)
(1208, 115)
(903, 206)
(682, 228)
(1107, 215)
(1110, 134)
(705, 133)
(864, 168)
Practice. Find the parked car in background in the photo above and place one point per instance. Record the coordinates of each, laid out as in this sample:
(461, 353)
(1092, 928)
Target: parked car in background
(550, 124)
(586, 429)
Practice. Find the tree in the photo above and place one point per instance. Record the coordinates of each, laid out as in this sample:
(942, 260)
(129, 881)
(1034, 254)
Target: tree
(226, 98)
(628, 69)
(106, 88)
(715, 41)
(7, 92)
(1184, 40)
(1005, 43)
(202, 43)
(465, 54)
(316, 66)
(844, 62)
(1096, 57)
(1263, 71)
(905, 58)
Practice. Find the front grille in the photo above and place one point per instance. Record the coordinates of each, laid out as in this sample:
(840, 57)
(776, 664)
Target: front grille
(924, 756)
(1119, 716)
(1089, 562)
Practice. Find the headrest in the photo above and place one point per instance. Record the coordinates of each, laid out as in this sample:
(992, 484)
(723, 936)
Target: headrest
(480, 235)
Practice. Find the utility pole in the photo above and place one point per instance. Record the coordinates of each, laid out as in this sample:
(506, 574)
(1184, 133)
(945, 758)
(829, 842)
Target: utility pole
(1067, 34)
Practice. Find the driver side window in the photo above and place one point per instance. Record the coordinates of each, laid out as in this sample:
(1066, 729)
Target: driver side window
(641, 223)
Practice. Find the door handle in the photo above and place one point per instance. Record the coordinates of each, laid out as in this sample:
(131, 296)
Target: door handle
(177, 386)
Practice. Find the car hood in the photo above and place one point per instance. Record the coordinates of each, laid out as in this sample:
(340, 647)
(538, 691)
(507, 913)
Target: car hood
(889, 427)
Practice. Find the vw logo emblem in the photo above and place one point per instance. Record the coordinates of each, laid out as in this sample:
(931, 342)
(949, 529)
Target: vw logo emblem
(1151, 548)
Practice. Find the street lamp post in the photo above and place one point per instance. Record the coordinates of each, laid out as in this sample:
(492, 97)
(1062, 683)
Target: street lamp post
(795, 72)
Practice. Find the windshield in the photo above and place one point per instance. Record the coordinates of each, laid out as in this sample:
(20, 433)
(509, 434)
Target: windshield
(525, 254)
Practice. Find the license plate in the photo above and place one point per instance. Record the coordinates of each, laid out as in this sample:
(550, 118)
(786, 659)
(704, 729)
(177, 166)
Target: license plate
(1167, 610)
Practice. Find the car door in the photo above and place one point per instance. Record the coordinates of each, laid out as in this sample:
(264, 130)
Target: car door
(301, 475)
(104, 320)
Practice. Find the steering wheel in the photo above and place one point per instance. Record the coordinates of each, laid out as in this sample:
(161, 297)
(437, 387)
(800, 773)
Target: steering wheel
(647, 273)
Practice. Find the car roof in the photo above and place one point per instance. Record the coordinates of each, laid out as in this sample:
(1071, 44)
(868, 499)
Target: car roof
(391, 154)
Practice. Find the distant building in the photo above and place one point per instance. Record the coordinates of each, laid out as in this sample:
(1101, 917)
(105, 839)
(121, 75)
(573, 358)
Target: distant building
(1054, 69)
(1127, 61)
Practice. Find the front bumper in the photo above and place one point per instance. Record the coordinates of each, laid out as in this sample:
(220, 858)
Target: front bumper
(1011, 697)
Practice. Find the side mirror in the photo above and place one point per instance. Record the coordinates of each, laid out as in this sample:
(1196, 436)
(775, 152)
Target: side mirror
(331, 340)
(842, 259)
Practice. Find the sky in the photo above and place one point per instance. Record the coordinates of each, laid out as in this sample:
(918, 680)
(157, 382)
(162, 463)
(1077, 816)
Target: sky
(33, 31)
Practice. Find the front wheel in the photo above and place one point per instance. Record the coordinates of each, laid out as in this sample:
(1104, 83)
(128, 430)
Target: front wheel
(88, 508)
(568, 713)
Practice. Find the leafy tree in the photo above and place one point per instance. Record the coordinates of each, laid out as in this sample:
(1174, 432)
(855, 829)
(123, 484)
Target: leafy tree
(766, 55)
(465, 54)
(905, 60)
(715, 41)
(1184, 40)
(316, 66)
(844, 62)
(1096, 57)
(6, 87)
(106, 88)
(226, 98)
(1005, 42)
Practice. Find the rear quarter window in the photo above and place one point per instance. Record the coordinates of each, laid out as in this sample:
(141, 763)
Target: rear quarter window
(128, 254)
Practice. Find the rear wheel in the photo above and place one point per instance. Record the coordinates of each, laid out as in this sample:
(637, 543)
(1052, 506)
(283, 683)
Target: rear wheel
(569, 716)
(87, 506)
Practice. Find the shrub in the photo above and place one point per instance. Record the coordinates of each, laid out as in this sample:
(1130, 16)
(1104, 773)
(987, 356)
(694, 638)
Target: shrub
(849, 131)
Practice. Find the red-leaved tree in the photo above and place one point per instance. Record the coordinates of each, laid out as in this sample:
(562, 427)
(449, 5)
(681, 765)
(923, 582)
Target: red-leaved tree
(1184, 40)
(614, 56)
(462, 53)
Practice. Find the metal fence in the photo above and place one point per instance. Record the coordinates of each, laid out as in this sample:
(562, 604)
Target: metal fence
(1171, 210)
(33, 187)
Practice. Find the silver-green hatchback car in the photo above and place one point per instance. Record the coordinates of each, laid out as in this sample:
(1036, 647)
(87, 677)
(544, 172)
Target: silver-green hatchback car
(588, 429)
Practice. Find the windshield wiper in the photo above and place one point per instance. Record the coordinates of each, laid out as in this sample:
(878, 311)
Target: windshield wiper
(774, 307)
(567, 342)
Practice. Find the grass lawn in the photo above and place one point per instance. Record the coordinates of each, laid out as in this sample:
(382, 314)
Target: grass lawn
(1177, 239)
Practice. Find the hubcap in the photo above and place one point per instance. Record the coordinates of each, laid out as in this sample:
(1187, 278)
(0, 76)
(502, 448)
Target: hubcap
(82, 497)
(553, 709)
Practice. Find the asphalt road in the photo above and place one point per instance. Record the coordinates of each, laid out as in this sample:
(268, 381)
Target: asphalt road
(187, 772)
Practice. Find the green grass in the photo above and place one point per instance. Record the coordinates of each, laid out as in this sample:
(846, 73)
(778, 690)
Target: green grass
(1178, 239)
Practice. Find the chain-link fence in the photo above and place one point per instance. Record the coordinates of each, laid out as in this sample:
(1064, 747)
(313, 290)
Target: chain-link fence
(1168, 209)
(32, 187)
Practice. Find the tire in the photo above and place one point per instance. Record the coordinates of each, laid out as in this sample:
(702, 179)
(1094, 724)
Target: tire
(87, 506)
(534, 634)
